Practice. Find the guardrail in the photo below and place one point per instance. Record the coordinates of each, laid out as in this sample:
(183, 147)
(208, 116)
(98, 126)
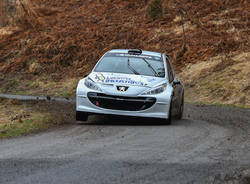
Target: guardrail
(36, 98)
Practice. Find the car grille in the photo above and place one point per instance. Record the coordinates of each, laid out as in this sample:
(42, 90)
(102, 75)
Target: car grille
(121, 102)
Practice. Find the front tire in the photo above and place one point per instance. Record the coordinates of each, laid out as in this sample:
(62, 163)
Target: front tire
(181, 109)
(81, 116)
(168, 121)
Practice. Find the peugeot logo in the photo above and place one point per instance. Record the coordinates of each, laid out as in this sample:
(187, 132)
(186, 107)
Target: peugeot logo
(122, 88)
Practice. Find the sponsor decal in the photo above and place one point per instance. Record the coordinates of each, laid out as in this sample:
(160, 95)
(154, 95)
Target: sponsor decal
(139, 56)
(151, 79)
(99, 77)
(124, 80)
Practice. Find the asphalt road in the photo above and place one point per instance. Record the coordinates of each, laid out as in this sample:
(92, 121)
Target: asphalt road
(208, 145)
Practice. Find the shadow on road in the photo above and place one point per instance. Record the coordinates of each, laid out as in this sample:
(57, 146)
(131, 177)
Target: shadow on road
(129, 121)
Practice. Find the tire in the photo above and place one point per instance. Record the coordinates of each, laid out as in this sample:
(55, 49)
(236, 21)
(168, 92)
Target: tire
(181, 109)
(168, 121)
(81, 116)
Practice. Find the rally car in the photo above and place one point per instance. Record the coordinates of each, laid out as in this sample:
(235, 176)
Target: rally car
(131, 82)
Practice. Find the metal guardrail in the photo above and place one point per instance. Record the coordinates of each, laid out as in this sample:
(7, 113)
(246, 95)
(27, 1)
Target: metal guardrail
(36, 98)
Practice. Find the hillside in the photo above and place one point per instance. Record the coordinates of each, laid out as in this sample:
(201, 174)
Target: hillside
(53, 43)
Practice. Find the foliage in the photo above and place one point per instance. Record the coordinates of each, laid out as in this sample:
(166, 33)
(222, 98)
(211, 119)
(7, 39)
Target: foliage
(155, 9)
(62, 36)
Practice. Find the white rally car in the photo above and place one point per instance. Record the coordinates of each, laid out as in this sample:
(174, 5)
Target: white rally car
(131, 83)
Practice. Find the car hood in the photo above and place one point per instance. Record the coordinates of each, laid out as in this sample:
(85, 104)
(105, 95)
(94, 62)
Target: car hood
(136, 83)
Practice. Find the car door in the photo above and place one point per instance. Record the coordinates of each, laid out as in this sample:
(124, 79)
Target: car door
(174, 81)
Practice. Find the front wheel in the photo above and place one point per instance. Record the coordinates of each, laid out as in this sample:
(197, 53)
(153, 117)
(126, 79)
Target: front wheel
(181, 109)
(81, 116)
(168, 121)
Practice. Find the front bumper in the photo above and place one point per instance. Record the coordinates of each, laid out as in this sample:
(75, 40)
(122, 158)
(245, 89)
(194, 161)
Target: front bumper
(123, 103)
(158, 109)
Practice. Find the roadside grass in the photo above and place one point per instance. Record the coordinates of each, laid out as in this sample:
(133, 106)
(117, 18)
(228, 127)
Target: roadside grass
(219, 81)
(24, 127)
(65, 94)
(19, 118)
(40, 86)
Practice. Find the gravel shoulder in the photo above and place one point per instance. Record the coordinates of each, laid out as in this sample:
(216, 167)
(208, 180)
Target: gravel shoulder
(210, 145)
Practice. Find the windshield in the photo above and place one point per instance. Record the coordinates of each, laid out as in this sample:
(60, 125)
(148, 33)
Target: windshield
(130, 64)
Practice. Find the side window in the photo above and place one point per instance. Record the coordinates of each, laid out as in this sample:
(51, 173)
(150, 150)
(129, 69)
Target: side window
(170, 70)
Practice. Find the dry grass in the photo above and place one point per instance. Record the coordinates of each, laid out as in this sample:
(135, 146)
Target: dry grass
(17, 119)
(21, 118)
(188, 27)
(219, 80)
(6, 31)
(40, 85)
(64, 36)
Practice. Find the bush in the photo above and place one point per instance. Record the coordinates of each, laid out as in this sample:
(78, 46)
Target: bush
(155, 9)
(7, 9)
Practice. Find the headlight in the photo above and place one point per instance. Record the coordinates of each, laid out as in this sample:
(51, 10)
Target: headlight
(91, 84)
(156, 90)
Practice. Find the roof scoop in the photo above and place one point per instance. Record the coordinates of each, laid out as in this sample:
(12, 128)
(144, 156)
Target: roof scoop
(135, 51)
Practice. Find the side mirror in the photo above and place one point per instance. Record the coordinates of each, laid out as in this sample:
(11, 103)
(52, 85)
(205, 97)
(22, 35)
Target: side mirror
(168, 57)
(86, 75)
(176, 82)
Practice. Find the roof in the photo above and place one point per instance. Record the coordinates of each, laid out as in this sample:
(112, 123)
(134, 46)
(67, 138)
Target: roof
(125, 51)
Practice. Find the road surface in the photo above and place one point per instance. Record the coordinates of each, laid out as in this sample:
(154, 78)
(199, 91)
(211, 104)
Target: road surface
(208, 145)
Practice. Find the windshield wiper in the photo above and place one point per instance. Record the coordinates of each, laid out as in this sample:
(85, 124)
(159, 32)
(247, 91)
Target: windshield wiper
(150, 66)
(132, 69)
